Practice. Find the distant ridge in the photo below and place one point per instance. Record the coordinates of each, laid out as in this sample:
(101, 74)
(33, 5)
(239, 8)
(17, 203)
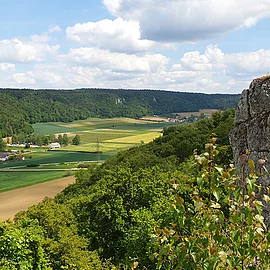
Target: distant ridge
(21, 107)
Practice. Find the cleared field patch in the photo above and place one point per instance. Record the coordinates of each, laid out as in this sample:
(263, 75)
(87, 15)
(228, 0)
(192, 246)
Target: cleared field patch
(51, 128)
(101, 135)
(207, 112)
(136, 138)
(113, 148)
(87, 124)
(11, 202)
(154, 119)
(108, 135)
(14, 180)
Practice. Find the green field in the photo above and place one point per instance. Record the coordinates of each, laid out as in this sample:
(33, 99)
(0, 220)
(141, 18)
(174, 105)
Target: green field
(49, 157)
(124, 124)
(14, 180)
(106, 135)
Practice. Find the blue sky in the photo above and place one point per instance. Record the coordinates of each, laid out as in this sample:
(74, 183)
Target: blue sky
(209, 46)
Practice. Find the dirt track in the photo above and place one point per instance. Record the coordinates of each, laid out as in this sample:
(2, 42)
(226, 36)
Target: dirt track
(17, 200)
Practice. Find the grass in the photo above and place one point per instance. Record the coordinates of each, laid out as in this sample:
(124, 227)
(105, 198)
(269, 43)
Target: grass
(113, 134)
(95, 124)
(51, 128)
(59, 166)
(102, 135)
(55, 157)
(14, 180)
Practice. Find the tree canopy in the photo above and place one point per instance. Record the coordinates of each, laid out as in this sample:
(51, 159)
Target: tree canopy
(175, 203)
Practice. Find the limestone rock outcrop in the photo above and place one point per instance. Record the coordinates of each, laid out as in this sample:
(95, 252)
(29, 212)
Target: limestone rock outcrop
(252, 130)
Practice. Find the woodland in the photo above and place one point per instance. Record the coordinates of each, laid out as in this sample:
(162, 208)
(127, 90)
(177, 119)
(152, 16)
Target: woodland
(19, 108)
(175, 203)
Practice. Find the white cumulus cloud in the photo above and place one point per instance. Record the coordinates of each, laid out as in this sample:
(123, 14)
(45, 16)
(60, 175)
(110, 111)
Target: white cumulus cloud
(45, 37)
(16, 51)
(236, 65)
(189, 20)
(116, 35)
(116, 61)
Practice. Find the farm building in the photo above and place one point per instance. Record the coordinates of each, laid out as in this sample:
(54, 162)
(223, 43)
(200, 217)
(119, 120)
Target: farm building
(4, 156)
(54, 145)
(20, 157)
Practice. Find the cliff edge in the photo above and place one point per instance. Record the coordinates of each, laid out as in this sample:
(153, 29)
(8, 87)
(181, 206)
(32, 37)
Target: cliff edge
(252, 130)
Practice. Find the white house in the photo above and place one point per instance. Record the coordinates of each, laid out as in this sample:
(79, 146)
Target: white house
(54, 145)
(4, 156)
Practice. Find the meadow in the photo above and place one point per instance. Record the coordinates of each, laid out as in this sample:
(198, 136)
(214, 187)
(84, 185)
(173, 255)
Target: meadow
(100, 139)
(51, 157)
(108, 136)
(14, 180)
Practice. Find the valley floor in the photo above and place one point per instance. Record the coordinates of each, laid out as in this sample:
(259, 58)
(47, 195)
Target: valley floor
(14, 201)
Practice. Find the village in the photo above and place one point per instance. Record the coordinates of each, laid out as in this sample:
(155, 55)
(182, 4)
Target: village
(19, 154)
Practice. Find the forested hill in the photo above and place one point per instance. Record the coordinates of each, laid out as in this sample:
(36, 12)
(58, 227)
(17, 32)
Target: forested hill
(20, 108)
(150, 207)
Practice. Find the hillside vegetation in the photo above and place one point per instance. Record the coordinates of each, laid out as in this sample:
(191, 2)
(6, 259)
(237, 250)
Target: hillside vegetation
(156, 206)
(19, 108)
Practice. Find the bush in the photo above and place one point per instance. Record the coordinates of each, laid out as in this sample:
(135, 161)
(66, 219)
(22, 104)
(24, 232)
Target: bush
(32, 165)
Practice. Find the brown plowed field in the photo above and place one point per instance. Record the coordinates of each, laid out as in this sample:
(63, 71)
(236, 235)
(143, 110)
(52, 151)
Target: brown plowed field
(11, 202)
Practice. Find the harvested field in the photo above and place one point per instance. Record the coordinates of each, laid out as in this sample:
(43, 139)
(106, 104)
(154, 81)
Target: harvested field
(12, 202)
(136, 138)
(155, 119)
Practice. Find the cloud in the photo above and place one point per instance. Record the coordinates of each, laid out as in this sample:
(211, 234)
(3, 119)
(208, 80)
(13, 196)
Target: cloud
(212, 71)
(16, 51)
(116, 35)
(7, 67)
(248, 64)
(235, 65)
(188, 20)
(23, 79)
(54, 28)
(116, 61)
(45, 37)
(195, 61)
(40, 38)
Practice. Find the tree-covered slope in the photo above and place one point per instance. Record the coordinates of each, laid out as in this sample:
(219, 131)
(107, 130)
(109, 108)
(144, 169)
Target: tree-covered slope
(112, 214)
(20, 107)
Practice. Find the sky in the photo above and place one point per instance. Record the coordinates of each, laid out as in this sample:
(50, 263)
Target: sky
(207, 46)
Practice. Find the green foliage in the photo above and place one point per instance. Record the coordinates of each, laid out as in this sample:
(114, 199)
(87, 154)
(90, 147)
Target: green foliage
(64, 248)
(2, 144)
(223, 229)
(76, 140)
(157, 207)
(65, 139)
(21, 247)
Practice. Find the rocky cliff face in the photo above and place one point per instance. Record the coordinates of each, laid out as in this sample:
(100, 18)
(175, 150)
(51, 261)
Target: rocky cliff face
(252, 130)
